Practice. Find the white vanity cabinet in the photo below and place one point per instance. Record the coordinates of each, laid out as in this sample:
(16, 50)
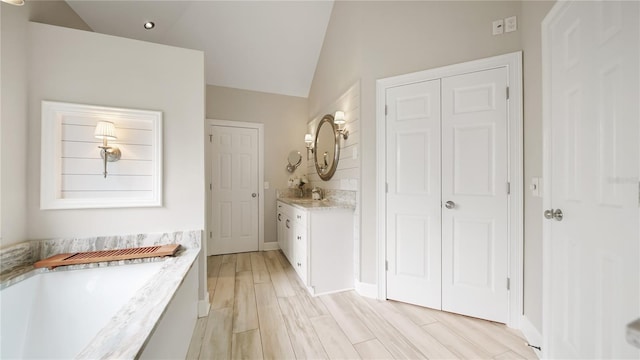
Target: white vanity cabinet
(318, 242)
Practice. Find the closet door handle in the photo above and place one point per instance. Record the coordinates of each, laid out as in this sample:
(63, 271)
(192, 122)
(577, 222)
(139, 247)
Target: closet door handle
(450, 204)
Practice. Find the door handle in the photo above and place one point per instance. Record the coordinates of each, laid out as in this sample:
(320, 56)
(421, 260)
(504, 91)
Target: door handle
(553, 214)
(254, 195)
(450, 204)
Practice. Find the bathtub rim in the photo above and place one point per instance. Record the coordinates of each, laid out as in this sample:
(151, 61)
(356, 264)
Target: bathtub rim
(127, 333)
(143, 311)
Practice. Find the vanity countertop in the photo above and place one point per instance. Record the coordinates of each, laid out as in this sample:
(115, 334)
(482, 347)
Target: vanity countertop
(310, 204)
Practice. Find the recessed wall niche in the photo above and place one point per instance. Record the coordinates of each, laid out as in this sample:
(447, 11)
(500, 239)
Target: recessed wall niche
(72, 169)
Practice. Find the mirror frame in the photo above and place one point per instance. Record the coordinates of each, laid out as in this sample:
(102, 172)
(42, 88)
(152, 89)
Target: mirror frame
(292, 167)
(336, 153)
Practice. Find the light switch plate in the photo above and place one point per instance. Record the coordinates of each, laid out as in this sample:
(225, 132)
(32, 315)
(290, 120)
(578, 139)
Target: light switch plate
(266, 185)
(498, 27)
(510, 24)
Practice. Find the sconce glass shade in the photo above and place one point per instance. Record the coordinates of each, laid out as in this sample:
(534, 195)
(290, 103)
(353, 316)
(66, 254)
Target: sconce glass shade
(105, 130)
(338, 118)
(14, 2)
(308, 138)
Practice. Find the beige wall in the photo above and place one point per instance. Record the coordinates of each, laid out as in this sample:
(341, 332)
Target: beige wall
(13, 104)
(284, 119)
(90, 68)
(532, 14)
(373, 40)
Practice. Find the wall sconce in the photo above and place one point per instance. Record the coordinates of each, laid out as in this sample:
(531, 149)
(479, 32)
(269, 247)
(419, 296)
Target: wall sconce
(308, 139)
(105, 130)
(338, 119)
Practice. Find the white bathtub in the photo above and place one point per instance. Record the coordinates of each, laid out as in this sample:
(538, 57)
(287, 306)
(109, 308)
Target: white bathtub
(56, 315)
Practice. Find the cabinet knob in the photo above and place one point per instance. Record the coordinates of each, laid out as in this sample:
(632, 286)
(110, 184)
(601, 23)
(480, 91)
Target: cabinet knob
(299, 238)
(299, 217)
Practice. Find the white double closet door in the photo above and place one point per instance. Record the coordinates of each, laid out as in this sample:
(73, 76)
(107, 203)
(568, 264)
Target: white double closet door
(447, 198)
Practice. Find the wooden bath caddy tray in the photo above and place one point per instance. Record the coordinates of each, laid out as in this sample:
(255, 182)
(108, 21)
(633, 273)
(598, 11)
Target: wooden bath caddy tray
(107, 255)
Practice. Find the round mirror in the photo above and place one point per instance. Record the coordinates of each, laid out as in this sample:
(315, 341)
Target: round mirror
(294, 160)
(327, 150)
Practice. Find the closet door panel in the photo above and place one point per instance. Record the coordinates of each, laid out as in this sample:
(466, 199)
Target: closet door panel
(413, 200)
(475, 194)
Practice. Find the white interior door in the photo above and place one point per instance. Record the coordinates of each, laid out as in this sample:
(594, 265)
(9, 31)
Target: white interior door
(592, 252)
(413, 198)
(234, 223)
(475, 194)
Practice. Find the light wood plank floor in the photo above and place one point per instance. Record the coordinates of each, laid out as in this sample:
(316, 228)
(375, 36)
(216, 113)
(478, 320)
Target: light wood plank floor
(259, 309)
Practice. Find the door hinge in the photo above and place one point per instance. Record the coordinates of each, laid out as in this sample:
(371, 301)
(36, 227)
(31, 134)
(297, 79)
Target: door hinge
(507, 93)
(386, 265)
(210, 234)
(385, 110)
(508, 188)
(386, 188)
(210, 138)
(508, 284)
(210, 186)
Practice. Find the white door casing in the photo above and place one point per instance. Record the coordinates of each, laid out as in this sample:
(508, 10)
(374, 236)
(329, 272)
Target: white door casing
(513, 64)
(235, 189)
(591, 57)
(475, 194)
(413, 201)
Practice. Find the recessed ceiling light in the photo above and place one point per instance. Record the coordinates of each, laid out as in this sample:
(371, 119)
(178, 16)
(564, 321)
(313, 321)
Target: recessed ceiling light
(14, 2)
(149, 25)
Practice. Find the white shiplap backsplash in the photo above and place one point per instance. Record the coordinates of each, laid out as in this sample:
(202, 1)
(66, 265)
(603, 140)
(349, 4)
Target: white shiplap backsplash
(347, 175)
(82, 167)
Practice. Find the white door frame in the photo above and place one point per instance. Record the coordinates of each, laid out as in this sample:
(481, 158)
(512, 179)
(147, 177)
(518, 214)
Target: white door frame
(237, 124)
(513, 63)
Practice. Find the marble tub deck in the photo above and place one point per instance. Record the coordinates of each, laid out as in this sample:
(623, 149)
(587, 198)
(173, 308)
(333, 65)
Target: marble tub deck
(126, 334)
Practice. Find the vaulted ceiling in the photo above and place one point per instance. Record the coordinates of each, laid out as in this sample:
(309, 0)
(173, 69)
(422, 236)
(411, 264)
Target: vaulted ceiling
(268, 46)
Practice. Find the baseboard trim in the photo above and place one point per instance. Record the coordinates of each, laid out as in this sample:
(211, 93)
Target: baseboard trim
(203, 306)
(532, 334)
(366, 289)
(270, 246)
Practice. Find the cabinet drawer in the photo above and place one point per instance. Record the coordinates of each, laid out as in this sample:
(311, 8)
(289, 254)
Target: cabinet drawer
(299, 216)
(286, 209)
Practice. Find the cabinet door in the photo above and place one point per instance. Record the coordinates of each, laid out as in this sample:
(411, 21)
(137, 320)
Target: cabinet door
(299, 243)
(280, 229)
(287, 238)
(300, 246)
